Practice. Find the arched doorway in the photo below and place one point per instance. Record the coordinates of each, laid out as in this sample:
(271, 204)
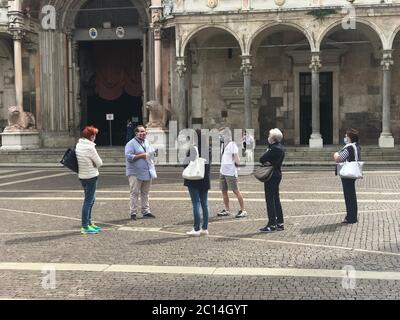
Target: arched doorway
(282, 52)
(212, 95)
(354, 56)
(110, 57)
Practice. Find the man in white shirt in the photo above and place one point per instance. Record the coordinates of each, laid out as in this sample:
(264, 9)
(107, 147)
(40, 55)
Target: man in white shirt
(229, 173)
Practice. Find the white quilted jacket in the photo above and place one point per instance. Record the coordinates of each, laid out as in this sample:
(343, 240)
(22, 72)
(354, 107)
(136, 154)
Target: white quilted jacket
(88, 159)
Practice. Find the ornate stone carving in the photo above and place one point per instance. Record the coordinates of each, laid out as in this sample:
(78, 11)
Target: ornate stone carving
(315, 65)
(19, 120)
(246, 67)
(387, 60)
(180, 66)
(212, 3)
(158, 115)
(168, 7)
(233, 93)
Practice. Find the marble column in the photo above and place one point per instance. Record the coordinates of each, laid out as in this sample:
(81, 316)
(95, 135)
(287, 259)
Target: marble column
(315, 139)
(156, 12)
(386, 139)
(71, 94)
(246, 68)
(181, 70)
(19, 90)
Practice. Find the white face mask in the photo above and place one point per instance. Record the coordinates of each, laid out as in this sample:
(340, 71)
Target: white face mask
(346, 140)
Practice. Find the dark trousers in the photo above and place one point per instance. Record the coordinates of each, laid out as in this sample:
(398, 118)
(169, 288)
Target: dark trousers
(350, 197)
(89, 186)
(274, 207)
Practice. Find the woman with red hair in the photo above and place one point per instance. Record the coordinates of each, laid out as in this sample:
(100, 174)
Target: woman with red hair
(88, 162)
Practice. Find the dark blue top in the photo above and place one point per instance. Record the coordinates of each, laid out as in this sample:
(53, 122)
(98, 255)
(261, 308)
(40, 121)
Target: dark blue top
(275, 155)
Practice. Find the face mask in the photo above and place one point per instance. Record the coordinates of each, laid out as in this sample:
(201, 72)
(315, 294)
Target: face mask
(346, 140)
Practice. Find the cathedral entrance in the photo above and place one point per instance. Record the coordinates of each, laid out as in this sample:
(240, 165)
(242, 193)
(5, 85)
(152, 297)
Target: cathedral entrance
(110, 58)
(111, 83)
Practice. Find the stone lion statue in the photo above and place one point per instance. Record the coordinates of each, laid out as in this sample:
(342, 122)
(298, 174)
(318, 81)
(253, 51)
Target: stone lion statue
(158, 115)
(19, 120)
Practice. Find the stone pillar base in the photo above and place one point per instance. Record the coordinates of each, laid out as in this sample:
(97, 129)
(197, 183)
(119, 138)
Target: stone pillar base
(20, 140)
(316, 143)
(386, 142)
(158, 138)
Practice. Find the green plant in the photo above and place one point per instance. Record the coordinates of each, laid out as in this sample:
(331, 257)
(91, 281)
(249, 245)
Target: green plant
(320, 14)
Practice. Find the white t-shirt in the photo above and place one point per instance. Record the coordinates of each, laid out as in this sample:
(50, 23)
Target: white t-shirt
(228, 167)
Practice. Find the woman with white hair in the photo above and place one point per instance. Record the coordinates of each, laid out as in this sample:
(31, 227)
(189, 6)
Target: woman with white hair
(274, 156)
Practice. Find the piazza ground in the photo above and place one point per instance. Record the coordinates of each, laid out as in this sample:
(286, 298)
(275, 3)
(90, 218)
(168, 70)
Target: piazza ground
(154, 259)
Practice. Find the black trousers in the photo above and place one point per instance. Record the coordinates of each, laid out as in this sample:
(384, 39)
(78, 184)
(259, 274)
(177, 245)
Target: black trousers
(274, 207)
(350, 197)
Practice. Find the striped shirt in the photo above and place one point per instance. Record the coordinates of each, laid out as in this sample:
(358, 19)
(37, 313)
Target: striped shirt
(346, 155)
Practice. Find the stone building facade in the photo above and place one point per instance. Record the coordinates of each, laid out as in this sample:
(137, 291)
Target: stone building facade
(310, 67)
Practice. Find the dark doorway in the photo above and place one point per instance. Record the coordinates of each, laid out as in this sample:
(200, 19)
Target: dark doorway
(111, 83)
(326, 105)
(124, 108)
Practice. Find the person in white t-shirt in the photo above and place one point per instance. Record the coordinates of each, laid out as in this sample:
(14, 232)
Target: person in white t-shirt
(229, 173)
(248, 145)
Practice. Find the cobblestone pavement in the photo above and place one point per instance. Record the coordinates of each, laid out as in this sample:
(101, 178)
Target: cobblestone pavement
(40, 213)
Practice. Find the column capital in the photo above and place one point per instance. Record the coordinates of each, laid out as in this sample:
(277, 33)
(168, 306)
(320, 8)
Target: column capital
(18, 34)
(315, 64)
(246, 66)
(387, 60)
(180, 66)
(16, 20)
(69, 34)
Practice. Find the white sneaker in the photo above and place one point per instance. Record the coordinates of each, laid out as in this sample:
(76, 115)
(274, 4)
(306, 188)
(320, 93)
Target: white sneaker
(193, 233)
(223, 213)
(204, 232)
(241, 214)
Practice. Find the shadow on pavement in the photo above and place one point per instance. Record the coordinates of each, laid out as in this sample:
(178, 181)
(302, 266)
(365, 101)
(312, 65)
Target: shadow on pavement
(43, 238)
(159, 241)
(323, 229)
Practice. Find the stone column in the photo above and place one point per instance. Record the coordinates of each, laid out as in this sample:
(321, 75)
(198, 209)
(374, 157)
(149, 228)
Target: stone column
(246, 68)
(16, 27)
(71, 94)
(156, 13)
(315, 66)
(386, 139)
(181, 70)
(19, 89)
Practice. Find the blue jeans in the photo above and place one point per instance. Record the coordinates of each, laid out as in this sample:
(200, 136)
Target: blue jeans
(199, 198)
(89, 186)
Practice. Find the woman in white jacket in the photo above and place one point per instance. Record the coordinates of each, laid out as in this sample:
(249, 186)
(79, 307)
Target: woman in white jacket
(88, 162)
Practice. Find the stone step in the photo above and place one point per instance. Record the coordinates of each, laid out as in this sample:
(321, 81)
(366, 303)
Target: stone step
(294, 156)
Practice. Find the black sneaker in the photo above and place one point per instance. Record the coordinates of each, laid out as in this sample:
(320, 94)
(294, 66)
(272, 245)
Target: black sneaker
(133, 217)
(280, 227)
(268, 229)
(148, 215)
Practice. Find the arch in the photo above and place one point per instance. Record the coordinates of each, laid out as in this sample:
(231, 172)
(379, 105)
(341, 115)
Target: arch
(370, 25)
(193, 33)
(275, 24)
(393, 37)
(69, 11)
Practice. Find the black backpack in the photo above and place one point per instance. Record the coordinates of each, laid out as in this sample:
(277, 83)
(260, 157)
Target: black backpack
(69, 160)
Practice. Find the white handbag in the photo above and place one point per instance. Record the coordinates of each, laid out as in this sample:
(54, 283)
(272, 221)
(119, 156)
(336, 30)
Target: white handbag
(196, 168)
(351, 169)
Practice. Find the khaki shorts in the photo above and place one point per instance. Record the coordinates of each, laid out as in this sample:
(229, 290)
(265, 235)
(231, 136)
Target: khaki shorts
(228, 183)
